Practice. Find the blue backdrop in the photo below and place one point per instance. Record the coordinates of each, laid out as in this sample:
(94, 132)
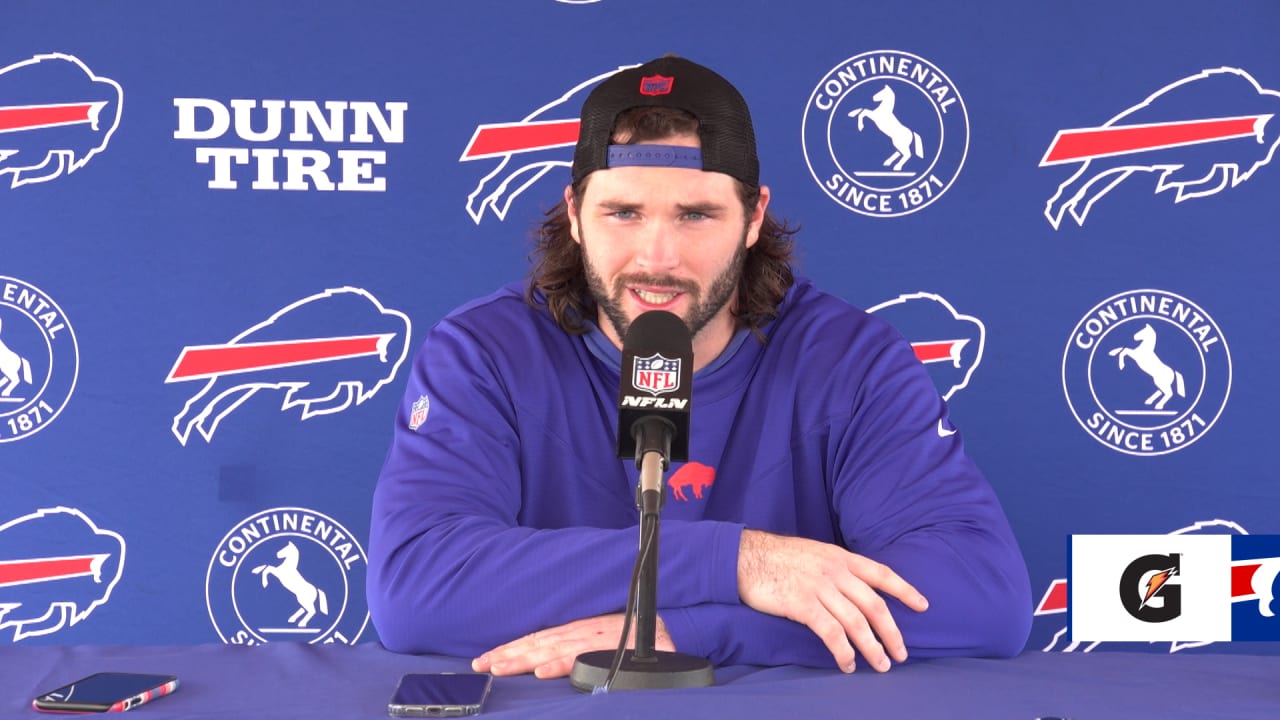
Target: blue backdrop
(227, 225)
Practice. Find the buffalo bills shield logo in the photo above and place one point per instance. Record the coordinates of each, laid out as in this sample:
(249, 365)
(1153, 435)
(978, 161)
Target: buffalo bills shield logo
(1255, 567)
(656, 374)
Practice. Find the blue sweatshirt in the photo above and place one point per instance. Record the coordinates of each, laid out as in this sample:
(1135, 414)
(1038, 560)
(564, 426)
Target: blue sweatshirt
(503, 508)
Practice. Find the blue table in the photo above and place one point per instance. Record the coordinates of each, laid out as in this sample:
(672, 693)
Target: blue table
(290, 681)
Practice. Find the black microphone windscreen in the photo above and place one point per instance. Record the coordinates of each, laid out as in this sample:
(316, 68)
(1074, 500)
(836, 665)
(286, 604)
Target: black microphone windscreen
(657, 379)
(658, 331)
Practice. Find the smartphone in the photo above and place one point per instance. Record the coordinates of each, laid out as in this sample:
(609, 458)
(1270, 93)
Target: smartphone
(442, 694)
(106, 692)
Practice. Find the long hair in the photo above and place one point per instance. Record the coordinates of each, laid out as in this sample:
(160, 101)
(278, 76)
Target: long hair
(559, 274)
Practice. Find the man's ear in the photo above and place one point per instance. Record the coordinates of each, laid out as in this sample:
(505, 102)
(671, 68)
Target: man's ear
(757, 216)
(573, 214)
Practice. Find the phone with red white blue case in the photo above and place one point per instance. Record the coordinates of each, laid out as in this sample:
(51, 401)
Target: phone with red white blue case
(106, 692)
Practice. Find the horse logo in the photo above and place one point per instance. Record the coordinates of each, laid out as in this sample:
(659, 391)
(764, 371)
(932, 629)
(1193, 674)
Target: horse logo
(305, 593)
(923, 129)
(1148, 362)
(319, 564)
(14, 370)
(39, 359)
(1191, 372)
(904, 139)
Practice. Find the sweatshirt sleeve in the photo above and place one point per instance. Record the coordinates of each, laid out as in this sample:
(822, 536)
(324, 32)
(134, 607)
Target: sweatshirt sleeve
(452, 569)
(739, 635)
(908, 496)
(903, 493)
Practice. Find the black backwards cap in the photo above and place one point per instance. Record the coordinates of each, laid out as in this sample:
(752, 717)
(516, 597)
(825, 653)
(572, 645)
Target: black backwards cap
(724, 123)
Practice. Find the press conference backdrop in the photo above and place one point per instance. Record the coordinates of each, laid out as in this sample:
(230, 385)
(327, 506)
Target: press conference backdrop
(227, 226)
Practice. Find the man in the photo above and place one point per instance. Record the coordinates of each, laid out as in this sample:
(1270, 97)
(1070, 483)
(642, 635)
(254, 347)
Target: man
(827, 495)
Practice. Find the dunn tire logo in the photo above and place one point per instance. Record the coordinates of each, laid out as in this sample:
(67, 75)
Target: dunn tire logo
(885, 133)
(1146, 372)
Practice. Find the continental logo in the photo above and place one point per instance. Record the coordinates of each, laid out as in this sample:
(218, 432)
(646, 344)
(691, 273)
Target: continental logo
(1146, 372)
(288, 574)
(885, 133)
(39, 359)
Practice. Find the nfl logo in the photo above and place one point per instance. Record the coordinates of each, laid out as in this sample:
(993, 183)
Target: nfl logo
(656, 374)
(418, 414)
(656, 85)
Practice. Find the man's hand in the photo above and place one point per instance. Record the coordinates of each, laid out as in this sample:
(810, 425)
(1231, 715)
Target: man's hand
(834, 592)
(550, 653)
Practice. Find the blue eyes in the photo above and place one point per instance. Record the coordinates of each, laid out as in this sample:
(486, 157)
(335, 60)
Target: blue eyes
(631, 215)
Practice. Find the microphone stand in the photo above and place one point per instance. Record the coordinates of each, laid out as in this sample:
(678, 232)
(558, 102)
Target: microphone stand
(645, 668)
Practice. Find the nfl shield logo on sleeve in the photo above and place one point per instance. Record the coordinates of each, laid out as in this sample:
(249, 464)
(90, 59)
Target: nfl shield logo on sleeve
(418, 413)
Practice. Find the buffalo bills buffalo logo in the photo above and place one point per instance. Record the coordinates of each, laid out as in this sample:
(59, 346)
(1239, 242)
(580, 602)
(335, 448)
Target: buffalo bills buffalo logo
(56, 568)
(529, 149)
(1198, 135)
(949, 343)
(325, 351)
(55, 114)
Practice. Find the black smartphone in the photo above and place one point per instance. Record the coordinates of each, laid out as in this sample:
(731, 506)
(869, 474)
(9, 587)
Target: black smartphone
(442, 694)
(106, 692)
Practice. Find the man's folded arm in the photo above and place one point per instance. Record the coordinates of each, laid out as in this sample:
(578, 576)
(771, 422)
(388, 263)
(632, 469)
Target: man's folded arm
(909, 497)
(975, 582)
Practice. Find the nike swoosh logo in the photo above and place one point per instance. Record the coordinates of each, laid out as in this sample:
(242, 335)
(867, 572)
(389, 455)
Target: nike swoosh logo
(943, 432)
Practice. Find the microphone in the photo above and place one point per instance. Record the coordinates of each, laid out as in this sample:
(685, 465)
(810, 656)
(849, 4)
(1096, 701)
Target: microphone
(653, 427)
(653, 399)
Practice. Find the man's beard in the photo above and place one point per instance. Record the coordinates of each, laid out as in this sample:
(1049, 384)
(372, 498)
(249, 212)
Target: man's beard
(701, 310)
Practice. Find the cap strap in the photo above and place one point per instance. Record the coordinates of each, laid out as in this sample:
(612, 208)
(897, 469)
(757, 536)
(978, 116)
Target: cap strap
(680, 156)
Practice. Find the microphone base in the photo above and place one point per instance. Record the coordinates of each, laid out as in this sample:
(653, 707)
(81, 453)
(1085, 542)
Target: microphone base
(661, 670)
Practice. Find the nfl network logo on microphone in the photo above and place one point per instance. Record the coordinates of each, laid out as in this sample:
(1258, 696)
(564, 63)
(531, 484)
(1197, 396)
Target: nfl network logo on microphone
(1174, 588)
